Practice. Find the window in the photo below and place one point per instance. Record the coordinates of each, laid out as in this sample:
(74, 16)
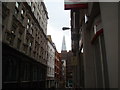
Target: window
(35, 47)
(27, 40)
(39, 19)
(31, 24)
(22, 18)
(16, 11)
(33, 9)
(18, 44)
(37, 16)
(19, 35)
(12, 32)
(42, 23)
(30, 44)
(86, 18)
(25, 48)
(30, 3)
(14, 27)
(37, 55)
(36, 34)
(31, 31)
(17, 4)
(95, 29)
(27, 26)
(30, 51)
(28, 20)
(10, 38)
(34, 54)
(2, 27)
(22, 11)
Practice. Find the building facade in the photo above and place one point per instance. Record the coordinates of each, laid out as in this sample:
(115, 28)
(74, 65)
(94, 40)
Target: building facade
(24, 44)
(58, 69)
(91, 31)
(50, 80)
(69, 70)
(67, 66)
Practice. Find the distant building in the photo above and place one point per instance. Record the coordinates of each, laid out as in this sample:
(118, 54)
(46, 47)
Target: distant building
(58, 69)
(50, 80)
(24, 44)
(69, 69)
(67, 66)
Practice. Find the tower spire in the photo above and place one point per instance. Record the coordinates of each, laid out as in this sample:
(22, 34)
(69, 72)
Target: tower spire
(63, 44)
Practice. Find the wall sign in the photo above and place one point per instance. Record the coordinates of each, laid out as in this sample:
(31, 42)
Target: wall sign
(75, 4)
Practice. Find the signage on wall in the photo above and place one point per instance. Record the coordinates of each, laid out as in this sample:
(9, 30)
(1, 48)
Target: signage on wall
(75, 4)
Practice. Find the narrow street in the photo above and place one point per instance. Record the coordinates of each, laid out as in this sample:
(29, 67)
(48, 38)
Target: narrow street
(64, 44)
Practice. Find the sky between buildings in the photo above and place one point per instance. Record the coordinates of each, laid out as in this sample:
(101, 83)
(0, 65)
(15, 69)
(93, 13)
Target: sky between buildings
(58, 18)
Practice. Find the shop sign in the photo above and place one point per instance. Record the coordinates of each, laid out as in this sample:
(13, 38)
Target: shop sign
(75, 4)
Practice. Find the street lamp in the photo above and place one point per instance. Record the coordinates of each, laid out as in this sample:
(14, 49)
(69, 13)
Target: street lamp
(65, 28)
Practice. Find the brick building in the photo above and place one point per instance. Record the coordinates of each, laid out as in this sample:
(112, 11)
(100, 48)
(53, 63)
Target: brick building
(58, 69)
(69, 69)
(63, 60)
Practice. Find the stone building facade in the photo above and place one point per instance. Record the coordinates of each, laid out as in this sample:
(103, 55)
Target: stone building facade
(50, 80)
(24, 27)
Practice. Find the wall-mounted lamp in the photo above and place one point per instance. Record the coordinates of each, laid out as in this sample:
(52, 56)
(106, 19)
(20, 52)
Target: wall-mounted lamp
(66, 28)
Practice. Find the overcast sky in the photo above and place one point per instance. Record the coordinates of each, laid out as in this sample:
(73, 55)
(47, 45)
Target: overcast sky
(58, 18)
